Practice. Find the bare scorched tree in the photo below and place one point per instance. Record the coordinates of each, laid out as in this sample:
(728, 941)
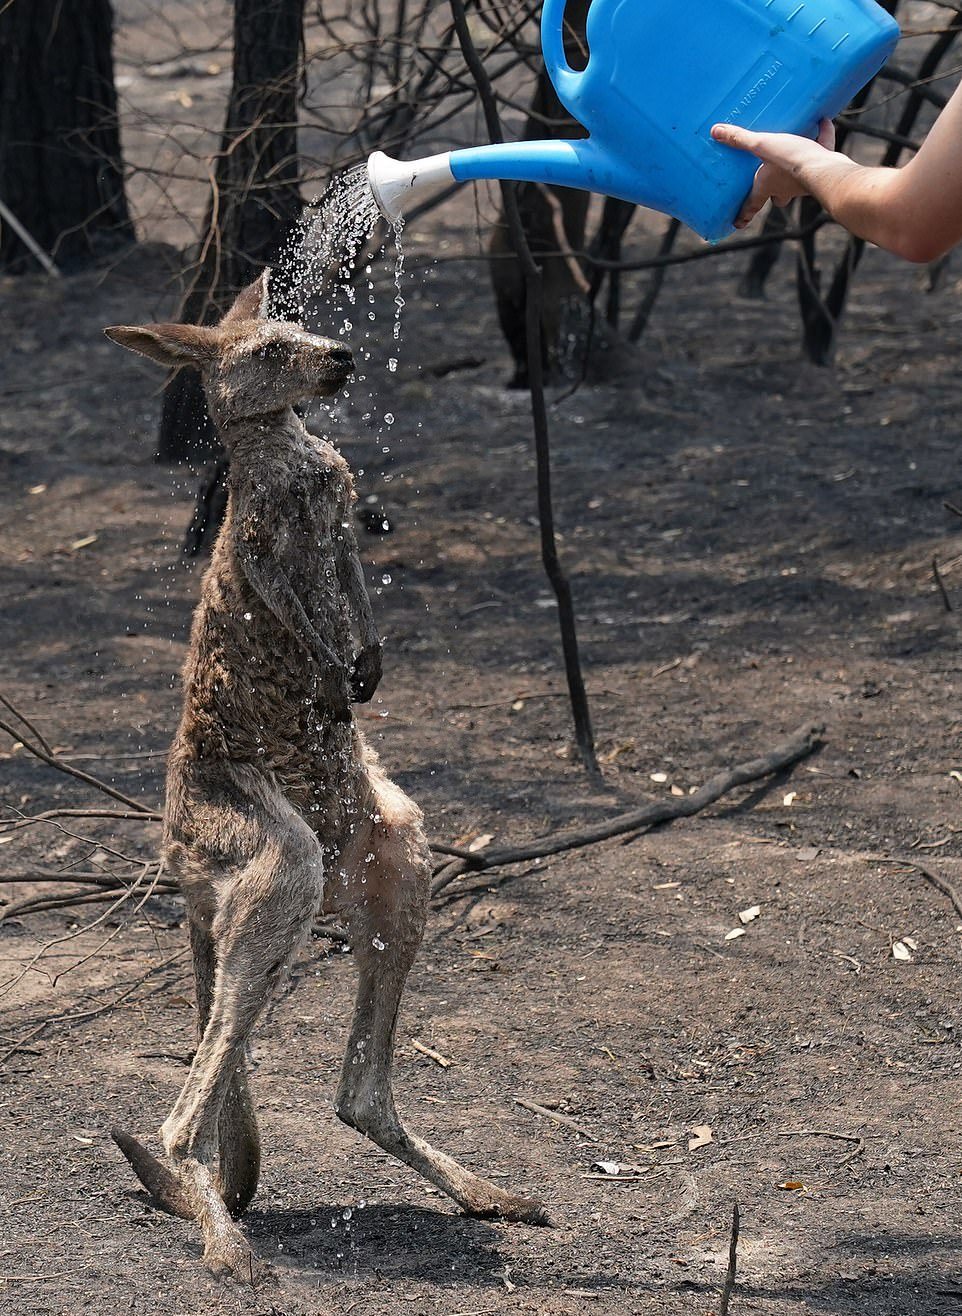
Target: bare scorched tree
(254, 201)
(60, 166)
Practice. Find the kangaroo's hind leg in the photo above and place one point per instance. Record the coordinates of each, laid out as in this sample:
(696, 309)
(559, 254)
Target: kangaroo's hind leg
(386, 915)
(262, 914)
(238, 1138)
(239, 1148)
(264, 907)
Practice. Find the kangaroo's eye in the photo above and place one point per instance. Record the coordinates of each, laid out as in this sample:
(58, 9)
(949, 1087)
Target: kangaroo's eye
(273, 352)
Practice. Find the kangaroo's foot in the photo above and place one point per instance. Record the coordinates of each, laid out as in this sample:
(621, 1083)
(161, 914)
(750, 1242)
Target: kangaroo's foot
(227, 1253)
(191, 1192)
(376, 1117)
(163, 1185)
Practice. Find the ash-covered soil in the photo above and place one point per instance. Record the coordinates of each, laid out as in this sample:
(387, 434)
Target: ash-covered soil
(750, 543)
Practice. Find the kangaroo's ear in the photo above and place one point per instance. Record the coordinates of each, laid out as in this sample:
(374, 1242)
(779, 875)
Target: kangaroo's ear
(169, 344)
(251, 303)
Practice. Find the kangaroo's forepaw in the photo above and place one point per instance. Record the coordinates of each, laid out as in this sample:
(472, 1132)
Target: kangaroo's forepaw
(162, 1184)
(365, 673)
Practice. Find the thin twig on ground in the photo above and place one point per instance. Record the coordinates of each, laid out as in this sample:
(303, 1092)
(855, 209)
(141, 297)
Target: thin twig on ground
(818, 1133)
(856, 1138)
(937, 574)
(799, 745)
(731, 1276)
(95, 1012)
(556, 1116)
(129, 889)
(431, 1053)
(21, 717)
(930, 875)
(36, 748)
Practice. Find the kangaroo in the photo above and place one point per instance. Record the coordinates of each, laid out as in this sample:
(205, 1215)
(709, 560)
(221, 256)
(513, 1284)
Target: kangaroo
(276, 807)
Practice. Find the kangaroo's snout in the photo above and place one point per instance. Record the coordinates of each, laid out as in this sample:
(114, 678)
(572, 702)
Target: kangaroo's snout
(327, 361)
(342, 357)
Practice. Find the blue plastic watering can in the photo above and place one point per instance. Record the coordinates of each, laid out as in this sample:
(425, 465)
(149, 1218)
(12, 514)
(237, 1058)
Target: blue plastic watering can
(660, 73)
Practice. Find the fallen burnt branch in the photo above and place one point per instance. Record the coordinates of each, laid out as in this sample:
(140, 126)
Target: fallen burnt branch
(50, 815)
(101, 894)
(101, 886)
(35, 744)
(798, 746)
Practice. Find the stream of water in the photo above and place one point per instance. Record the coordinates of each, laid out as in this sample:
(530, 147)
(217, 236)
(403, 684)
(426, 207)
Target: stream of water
(318, 284)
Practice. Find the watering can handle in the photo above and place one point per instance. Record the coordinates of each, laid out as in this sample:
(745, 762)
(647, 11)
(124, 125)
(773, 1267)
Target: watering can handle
(563, 77)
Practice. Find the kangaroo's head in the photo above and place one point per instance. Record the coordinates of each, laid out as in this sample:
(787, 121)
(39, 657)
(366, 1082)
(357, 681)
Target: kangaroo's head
(251, 365)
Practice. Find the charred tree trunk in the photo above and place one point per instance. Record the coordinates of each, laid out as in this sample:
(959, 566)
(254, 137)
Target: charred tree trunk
(615, 218)
(60, 164)
(255, 198)
(554, 222)
(760, 265)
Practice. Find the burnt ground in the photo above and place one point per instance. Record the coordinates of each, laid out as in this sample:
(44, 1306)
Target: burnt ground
(750, 544)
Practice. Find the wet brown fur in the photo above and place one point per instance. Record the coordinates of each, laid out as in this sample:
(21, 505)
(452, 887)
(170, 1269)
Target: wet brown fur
(276, 807)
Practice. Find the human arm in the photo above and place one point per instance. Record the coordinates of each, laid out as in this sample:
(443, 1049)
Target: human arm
(914, 211)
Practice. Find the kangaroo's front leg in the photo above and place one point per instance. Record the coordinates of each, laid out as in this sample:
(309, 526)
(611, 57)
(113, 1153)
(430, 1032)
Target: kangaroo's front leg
(261, 558)
(365, 672)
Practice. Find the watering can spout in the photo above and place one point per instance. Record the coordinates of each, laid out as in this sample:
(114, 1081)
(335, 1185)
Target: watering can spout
(397, 184)
(560, 164)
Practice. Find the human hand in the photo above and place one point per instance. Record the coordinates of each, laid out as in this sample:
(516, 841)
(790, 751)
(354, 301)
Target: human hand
(785, 159)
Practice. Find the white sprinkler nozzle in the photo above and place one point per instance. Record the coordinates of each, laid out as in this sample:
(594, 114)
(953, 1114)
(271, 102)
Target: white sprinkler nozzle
(396, 183)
